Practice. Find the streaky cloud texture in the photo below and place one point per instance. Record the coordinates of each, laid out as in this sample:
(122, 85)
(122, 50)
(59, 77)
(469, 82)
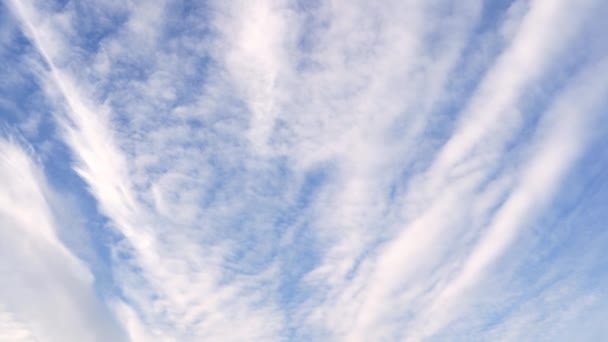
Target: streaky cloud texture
(290, 170)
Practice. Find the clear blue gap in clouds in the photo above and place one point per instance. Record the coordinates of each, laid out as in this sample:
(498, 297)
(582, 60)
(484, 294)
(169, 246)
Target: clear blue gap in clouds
(297, 170)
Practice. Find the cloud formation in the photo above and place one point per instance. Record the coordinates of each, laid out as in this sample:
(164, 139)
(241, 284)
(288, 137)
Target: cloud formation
(296, 170)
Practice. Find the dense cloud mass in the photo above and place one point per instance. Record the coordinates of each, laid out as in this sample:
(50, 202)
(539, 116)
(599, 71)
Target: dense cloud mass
(303, 170)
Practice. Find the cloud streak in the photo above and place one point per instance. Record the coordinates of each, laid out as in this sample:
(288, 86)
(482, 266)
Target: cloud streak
(47, 292)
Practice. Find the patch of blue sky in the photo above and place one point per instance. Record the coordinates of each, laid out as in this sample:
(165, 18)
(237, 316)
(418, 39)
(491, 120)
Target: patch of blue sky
(296, 231)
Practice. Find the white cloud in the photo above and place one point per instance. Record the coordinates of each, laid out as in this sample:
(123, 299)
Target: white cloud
(12, 330)
(559, 143)
(170, 279)
(45, 289)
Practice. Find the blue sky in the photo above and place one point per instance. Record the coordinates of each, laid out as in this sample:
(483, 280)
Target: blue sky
(284, 170)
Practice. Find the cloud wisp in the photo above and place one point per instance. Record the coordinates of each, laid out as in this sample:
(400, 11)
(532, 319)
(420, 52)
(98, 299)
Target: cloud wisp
(296, 170)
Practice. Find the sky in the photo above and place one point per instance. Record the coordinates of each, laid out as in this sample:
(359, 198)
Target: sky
(303, 170)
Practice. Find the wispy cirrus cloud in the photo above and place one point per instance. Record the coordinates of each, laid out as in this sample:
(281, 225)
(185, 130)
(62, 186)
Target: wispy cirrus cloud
(316, 170)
